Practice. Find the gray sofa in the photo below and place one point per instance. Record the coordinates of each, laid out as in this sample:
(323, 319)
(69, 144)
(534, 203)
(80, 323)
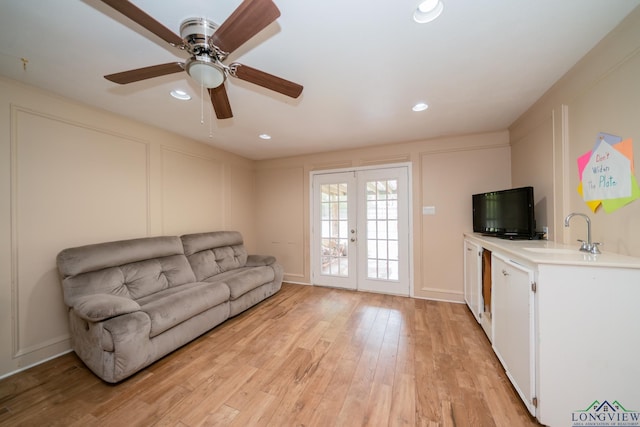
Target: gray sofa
(132, 302)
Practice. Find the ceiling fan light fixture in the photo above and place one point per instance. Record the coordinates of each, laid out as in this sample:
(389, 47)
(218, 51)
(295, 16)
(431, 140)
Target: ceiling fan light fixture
(428, 11)
(205, 71)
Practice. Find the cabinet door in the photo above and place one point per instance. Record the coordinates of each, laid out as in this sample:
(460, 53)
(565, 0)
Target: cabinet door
(472, 278)
(513, 324)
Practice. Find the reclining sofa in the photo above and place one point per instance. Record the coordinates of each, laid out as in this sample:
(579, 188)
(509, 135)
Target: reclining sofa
(131, 302)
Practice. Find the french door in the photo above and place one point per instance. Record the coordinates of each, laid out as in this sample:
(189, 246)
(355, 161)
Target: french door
(360, 231)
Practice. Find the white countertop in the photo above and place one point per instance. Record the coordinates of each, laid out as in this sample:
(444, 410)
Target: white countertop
(549, 252)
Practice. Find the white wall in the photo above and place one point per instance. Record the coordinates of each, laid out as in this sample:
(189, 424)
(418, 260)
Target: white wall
(601, 93)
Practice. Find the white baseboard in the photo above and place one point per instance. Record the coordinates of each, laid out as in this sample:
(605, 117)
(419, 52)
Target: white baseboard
(24, 368)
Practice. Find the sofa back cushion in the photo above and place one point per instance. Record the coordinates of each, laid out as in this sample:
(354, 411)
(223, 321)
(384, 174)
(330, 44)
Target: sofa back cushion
(213, 253)
(130, 268)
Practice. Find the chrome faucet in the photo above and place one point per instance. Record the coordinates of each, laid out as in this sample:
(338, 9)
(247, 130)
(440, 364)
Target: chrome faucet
(588, 246)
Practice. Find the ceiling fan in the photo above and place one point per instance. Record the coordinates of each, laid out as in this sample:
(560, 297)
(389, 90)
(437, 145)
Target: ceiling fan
(208, 45)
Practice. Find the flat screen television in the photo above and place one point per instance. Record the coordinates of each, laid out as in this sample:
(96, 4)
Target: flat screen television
(507, 213)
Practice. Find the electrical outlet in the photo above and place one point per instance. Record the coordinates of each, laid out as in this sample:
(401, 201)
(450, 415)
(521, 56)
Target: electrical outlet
(428, 210)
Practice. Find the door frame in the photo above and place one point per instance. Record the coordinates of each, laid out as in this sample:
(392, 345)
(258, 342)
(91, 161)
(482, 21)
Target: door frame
(409, 167)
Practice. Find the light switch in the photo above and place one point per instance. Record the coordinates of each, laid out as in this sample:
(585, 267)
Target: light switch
(428, 210)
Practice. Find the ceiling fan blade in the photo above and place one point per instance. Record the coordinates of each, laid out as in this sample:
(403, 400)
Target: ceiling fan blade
(245, 22)
(266, 80)
(145, 73)
(220, 102)
(137, 15)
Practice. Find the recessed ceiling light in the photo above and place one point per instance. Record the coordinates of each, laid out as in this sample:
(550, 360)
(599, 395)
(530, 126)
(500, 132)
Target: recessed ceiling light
(180, 94)
(420, 106)
(264, 136)
(427, 11)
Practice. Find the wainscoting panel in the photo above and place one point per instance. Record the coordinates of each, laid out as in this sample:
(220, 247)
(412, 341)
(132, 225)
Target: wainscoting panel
(448, 179)
(281, 202)
(241, 209)
(193, 193)
(71, 185)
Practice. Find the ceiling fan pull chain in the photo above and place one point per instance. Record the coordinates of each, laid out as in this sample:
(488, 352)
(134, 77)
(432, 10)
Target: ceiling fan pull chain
(210, 120)
(201, 103)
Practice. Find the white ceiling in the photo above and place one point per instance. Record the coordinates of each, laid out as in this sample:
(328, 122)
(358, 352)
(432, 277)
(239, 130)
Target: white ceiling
(363, 65)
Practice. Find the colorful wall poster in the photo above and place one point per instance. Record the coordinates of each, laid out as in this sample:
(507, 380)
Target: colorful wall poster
(607, 174)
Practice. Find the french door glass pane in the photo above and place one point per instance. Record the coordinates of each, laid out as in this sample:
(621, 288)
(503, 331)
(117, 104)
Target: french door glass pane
(392, 229)
(344, 229)
(371, 230)
(392, 209)
(393, 250)
(382, 229)
(334, 229)
(372, 249)
(393, 270)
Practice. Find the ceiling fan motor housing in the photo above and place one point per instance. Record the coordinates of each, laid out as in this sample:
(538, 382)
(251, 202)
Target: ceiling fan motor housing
(196, 32)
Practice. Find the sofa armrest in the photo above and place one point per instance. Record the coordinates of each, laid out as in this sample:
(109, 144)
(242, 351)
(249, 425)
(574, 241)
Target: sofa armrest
(95, 308)
(258, 260)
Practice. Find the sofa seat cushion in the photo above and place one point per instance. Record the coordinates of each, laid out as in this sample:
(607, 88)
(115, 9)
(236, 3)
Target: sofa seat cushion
(244, 280)
(172, 306)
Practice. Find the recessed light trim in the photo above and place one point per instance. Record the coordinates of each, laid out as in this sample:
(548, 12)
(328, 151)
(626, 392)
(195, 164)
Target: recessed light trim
(420, 106)
(180, 94)
(264, 136)
(428, 11)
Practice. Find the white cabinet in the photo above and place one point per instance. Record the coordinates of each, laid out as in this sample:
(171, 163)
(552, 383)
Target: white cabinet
(588, 324)
(473, 278)
(572, 340)
(513, 332)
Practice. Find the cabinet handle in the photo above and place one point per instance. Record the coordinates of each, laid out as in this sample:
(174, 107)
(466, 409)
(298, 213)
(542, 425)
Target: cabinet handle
(504, 272)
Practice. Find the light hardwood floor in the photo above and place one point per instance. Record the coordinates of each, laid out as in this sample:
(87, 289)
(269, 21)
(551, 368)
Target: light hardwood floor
(307, 356)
